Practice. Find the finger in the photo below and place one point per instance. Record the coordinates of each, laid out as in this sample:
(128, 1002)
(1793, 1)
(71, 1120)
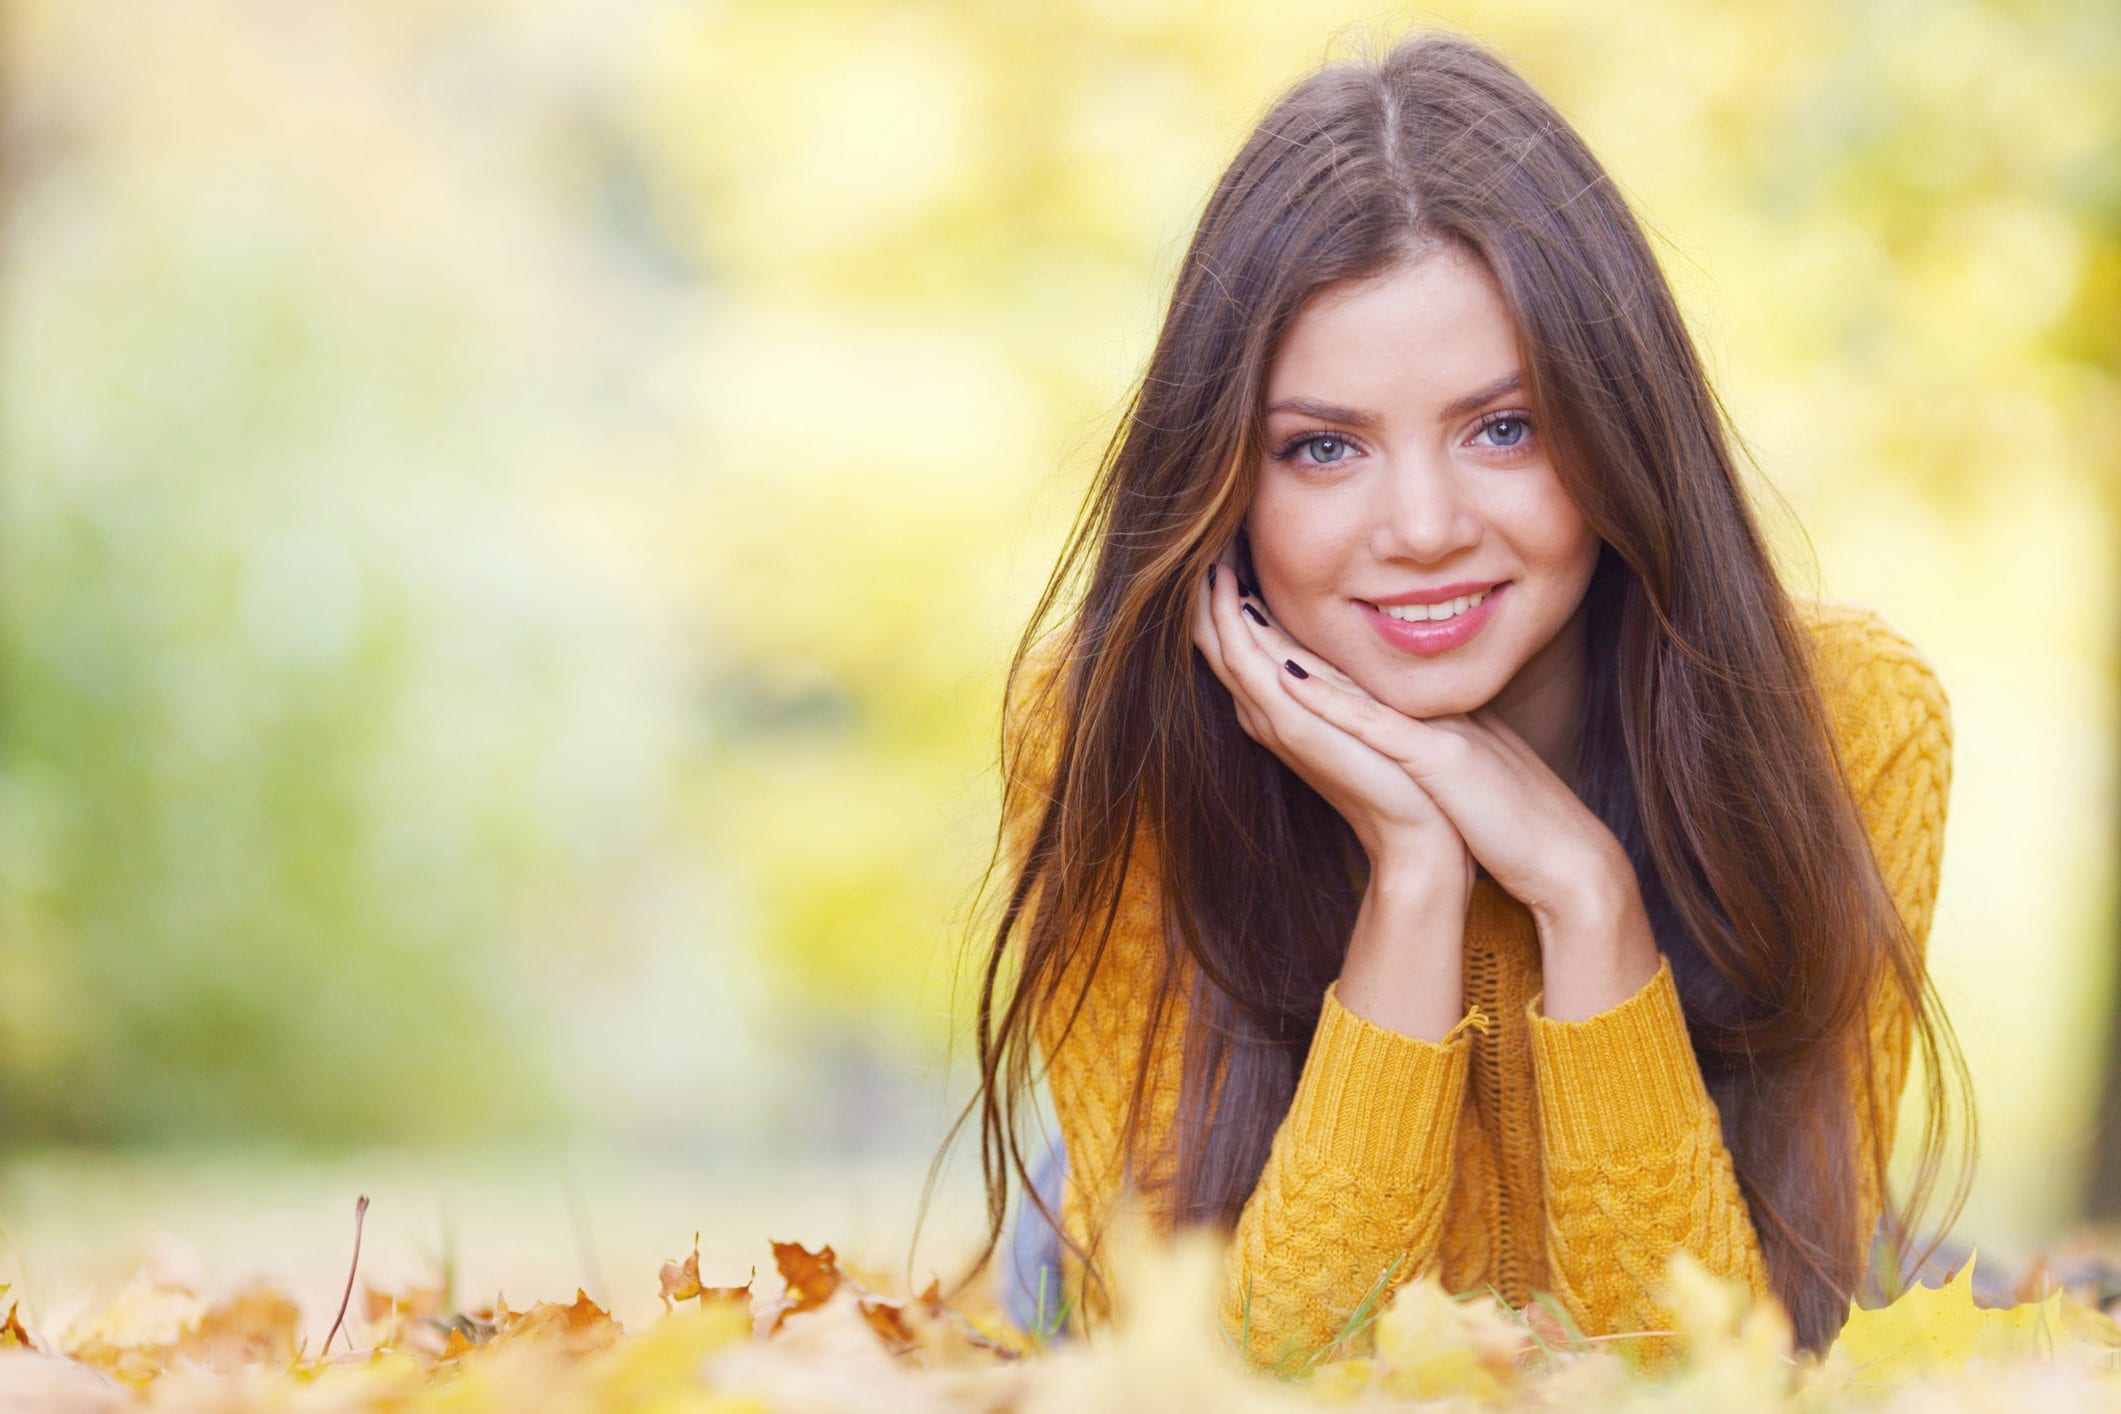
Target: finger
(1238, 655)
(1281, 647)
(1428, 753)
(1308, 745)
(1208, 638)
(1255, 670)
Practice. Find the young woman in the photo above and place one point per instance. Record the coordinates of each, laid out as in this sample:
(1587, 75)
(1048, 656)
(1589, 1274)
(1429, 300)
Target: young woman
(1435, 837)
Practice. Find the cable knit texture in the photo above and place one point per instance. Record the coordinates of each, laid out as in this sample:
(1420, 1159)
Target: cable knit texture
(1521, 1153)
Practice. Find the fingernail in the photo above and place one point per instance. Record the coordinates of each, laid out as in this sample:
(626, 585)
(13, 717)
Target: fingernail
(1257, 616)
(1211, 576)
(1243, 587)
(1290, 664)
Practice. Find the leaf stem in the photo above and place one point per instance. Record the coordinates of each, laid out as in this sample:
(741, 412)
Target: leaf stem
(360, 1212)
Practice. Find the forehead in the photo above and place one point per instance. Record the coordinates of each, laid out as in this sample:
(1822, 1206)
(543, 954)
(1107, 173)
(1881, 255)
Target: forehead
(1423, 330)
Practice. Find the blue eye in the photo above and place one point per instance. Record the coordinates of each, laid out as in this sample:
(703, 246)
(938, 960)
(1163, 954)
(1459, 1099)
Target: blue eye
(1316, 441)
(1519, 428)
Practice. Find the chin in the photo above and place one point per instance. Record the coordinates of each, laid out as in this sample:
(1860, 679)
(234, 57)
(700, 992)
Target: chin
(1423, 708)
(1410, 701)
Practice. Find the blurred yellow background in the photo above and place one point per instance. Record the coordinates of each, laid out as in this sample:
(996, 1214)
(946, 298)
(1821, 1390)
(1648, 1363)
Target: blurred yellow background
(512, 519)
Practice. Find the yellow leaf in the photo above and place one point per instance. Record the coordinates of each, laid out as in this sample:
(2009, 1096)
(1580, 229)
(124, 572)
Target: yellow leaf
(1937, 1329)
(1732, 1352)
(660, 1369)
(1342, 1381)
(11, 1331)
(1431, 1344)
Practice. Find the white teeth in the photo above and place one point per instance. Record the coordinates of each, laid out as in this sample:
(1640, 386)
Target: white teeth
(1430, 613)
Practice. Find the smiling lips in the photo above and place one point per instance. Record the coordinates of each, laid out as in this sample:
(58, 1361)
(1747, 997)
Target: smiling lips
(1417, 611)
(1437, 593)
(1434, 621)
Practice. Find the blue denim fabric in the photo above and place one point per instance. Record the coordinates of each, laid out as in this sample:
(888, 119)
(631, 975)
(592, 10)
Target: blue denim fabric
(1034, 1250)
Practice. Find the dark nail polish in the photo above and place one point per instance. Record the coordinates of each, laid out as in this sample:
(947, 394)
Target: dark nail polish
(1211, 576)
(1244, 588)
(1290, 664)
(1257, 616)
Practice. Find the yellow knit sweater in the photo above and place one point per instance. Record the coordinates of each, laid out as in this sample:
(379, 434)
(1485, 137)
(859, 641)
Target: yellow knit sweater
(1522, 1153)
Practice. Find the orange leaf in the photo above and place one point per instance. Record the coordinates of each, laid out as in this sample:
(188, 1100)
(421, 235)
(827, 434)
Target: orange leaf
(681, 1280)
(256, 1326)
(811, 1276)
(11, 1332)
(887, 1318)
(811, 1279)
(576, 1329)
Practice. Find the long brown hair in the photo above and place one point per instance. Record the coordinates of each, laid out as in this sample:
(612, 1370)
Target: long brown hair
(1707, 747)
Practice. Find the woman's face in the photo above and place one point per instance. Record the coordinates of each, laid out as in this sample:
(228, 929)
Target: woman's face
(1400, 459)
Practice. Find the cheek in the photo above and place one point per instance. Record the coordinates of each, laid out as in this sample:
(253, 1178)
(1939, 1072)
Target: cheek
(1300, 544)
(1553, 531)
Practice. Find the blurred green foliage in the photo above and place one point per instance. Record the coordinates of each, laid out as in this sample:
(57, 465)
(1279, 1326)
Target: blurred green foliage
(513, 518)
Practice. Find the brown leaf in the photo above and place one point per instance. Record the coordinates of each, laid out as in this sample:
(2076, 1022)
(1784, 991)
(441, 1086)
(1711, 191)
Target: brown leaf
(420, 1301)
(2034, 1282)
(577, 1329)
(11, 1332)
(1546, 1327)
(729, 1293)
(681, 1280)
(888, 1319)
(811, 1278)
(256, 1326)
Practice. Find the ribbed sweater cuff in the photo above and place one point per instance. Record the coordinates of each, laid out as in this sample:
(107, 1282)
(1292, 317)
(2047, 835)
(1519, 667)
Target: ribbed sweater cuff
(1619, 1084)
(1375, 1102)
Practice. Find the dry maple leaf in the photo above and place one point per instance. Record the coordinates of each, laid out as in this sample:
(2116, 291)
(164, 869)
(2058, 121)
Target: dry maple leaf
(150, 1328)
(1431, 1344)
(1938, 1329)
(712, 1294)
(888, 1319)
(2033, 1283)
(922, 1326)
(256, 1326)
(409, 1321)
(681, 1280)
(810, 1278)
(457, 1345)
(576, 1329)
(11, 1331)
(415, 1304)
(1548, 1330)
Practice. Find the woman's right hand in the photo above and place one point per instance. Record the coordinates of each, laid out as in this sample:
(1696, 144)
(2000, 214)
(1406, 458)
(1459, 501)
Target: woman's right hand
(1408, 838)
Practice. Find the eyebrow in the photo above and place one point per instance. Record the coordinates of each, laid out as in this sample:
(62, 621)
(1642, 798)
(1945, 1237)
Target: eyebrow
(1457, 408)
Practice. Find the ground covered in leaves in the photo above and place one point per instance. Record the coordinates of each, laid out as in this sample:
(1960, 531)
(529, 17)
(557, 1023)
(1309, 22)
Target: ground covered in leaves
(823, 1337)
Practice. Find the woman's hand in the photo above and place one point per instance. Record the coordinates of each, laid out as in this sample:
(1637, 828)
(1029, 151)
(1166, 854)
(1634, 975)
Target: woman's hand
(1405, 965)
(1522, 821)
(1481, 793)
(1399, 825)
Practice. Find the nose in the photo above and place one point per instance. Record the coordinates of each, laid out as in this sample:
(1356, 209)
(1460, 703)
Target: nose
(1423, 512)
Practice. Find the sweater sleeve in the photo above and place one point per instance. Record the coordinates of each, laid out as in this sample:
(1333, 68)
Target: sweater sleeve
(1634, 1160)
(1350, 1200)
(1350, 1203)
